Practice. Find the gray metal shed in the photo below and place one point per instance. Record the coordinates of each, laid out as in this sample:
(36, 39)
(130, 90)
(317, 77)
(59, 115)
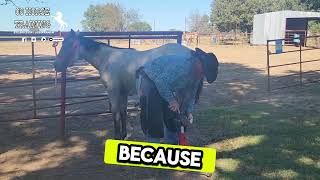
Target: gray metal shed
(280, 24)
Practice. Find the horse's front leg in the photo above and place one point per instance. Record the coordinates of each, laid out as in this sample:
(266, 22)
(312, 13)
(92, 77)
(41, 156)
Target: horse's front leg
(116, 122)
(116, 115)
(110, 107)
(123, 115)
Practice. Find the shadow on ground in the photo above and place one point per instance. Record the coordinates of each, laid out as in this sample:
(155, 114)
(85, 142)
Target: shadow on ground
(257, 134)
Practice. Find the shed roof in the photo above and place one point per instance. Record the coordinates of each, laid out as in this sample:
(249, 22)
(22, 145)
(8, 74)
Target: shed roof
(273, 25)
(293, 14)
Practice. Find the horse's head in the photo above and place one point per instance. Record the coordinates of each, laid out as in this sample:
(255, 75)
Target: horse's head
(69, 52)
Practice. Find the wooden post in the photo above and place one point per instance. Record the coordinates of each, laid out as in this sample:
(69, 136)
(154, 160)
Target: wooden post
(300, 62)
(268, 64)
(63, 102)
(129, 41)
(305, 38)
(33, 83)
(197, 40)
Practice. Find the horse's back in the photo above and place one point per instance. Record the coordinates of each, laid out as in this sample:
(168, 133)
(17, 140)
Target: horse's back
(168, 49)
(123, 69)
(131, 60)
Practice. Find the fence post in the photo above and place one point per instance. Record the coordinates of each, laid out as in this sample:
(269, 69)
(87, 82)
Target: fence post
(33, 83)
(63, 102)
(300, 62)
(268, 64)
(129, 40)
(197, 41)
(179, 37)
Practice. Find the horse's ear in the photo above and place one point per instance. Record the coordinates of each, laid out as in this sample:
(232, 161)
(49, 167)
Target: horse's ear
(72, 33)
(78, 33)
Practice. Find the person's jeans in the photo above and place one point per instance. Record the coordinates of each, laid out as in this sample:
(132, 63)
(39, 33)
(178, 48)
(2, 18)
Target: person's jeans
(155, 115)
(169, 137)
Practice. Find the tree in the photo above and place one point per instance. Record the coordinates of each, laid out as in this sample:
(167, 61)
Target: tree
(314, 27)
(199, 23)
(227, 15)
(108, 17)
(140, 26)
(130, 17)
(312, 4)
(295, 5)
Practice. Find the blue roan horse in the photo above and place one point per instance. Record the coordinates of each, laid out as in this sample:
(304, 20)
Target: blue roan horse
(117, 68)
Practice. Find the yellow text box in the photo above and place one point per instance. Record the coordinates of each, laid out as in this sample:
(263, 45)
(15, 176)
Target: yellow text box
(164, 156)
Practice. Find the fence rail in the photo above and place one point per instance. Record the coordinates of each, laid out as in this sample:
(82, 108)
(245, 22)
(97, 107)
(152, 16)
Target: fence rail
(34, 82)
(300, 62)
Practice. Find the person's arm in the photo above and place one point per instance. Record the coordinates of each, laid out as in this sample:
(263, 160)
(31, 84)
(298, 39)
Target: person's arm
(192, 97)
(192, 102)
(190, 107)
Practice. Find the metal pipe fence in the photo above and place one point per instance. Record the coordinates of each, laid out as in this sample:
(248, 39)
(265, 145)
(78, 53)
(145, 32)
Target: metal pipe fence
(302, 48)
(34, 81)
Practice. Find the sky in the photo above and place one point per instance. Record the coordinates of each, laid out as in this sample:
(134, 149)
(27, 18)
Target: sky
(166, 14)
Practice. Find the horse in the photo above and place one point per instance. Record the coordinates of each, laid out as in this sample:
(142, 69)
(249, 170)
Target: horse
(117, 69)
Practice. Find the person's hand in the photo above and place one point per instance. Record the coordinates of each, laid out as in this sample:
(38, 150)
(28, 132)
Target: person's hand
(174, 106)
(190, 118)
(187, 120)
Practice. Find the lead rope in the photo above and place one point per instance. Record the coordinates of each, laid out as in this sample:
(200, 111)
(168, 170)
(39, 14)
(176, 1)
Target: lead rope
(55, 44)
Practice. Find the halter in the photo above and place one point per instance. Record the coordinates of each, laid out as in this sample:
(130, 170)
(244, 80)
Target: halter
(75, 49)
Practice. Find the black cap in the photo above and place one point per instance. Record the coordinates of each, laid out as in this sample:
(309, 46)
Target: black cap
(209, 63)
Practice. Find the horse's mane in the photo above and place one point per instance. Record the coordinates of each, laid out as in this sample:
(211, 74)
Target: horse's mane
(92, 45)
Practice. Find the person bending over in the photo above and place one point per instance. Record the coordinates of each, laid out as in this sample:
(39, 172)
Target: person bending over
(168, 87)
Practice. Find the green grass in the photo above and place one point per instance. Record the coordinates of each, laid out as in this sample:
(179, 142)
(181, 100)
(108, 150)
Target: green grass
(263, 141)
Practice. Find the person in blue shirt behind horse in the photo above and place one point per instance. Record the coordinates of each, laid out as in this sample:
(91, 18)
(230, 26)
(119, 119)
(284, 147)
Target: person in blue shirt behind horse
(168, 87)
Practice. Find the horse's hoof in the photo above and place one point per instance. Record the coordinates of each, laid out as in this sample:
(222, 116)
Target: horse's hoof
(117, 137)
(128, 136)
(123, 136)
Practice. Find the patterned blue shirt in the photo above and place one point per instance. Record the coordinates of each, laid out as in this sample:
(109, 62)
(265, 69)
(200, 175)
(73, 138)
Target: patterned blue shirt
(174, 78)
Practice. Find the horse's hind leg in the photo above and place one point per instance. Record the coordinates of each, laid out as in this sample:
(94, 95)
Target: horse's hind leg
(123, 115)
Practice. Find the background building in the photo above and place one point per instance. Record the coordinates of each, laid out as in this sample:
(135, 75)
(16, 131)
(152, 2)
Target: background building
(281, 24)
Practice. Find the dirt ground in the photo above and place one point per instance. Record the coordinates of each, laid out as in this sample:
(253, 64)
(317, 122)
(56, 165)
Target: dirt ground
(32, 150)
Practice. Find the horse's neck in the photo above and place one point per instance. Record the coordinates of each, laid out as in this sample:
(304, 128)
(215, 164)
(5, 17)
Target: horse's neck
(97, 58)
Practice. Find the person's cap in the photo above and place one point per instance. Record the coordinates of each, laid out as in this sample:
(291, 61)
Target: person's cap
(210, 64)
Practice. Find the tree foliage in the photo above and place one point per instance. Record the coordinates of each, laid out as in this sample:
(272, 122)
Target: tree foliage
(229, 15)
(109, 17)
(199, 23)
(140, 26)
(314, 27)
(312, 4)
